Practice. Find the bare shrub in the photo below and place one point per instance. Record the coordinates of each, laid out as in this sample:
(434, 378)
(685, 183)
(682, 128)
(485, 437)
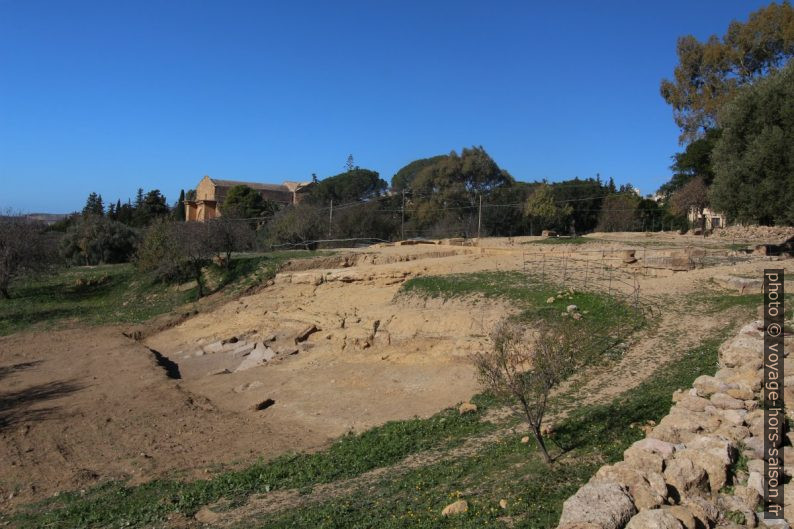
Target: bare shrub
(24, 248)
(523, 367)
(227, 235)
(176, 251)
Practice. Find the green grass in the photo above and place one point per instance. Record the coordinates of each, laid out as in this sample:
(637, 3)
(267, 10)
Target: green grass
(716, 301)
(562, 240)
(111, 294)
(602, 314)
(507, 469)
(118, 505)
(87, 295)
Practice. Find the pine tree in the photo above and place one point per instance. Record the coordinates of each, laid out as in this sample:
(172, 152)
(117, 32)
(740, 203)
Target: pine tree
(179, 208)
(93, 205)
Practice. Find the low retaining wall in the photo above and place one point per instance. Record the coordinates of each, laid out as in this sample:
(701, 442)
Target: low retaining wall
(702, 465)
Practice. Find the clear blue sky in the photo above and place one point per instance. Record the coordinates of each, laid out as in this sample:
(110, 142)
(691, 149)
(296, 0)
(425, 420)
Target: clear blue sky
(109, 96)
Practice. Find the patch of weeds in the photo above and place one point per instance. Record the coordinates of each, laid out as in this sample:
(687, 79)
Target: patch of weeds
(605, 318)
(736, 517)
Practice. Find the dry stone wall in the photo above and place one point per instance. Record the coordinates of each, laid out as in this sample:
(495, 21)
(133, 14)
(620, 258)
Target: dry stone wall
(701, 466)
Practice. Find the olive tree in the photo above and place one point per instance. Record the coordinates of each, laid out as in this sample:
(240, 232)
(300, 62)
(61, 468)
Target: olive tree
(523, 367)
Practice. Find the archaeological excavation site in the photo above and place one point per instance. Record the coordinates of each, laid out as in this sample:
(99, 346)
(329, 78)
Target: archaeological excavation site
(343, 386)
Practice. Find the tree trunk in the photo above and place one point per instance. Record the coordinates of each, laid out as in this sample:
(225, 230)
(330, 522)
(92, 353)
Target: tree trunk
(200, 287)
(536, 431)
(541, 445)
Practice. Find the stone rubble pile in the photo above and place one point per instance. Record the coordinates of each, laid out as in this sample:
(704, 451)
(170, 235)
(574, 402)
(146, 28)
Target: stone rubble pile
(702, 465)
(765, 233)
(252, 350)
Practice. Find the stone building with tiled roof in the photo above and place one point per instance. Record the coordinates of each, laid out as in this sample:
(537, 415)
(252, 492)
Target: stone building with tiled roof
(211, 192)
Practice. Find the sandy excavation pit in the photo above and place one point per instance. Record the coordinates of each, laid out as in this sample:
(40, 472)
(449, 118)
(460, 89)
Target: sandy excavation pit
(333, 349)
(324, 350)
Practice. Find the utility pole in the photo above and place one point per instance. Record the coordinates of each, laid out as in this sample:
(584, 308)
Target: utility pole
(330, 218)
(479, 220)
(402, 224)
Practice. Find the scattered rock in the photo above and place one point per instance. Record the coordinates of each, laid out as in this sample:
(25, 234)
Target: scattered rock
(265, 404)
(706, 385)
(571, 308)
(525, 439)
(305, 333)
(702, 509)
(686, 478)
(503, 504)
(551, 300)
(662, 448)
(607, 505)
(242, 349)
(748, 495)
(756, 482)
(258, 356)
(467, 407)
(654, 519)
(638, 457)
(685, 516)
(214, 347)
(644, 494)
(458, 507)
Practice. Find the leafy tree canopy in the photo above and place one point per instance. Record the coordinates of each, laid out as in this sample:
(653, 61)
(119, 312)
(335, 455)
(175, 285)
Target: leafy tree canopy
(543, 209)
(754, 157)
(403, 178)
(351, 186)
(694, 161)
(709, 74)
(242, 202)
(450, 188)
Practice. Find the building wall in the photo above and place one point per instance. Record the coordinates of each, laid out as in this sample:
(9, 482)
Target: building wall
(713, 219)
(210, 196)
(205, 190)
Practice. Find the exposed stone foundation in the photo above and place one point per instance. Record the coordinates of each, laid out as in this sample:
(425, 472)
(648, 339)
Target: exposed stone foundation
(701, 466)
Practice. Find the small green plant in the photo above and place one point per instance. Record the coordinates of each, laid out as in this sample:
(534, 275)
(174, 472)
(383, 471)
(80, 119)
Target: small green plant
(736, 517)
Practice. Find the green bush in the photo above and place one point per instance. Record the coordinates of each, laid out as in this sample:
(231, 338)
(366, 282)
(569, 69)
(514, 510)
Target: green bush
(93, 240)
